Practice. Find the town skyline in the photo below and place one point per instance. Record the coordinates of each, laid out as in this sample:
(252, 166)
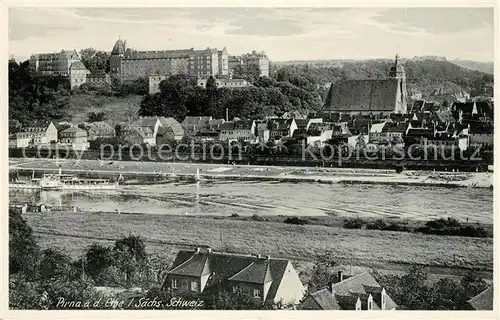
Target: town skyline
(283, 33)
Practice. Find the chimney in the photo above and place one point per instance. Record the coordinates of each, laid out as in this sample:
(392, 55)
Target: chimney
(340, 276)
(268, 257)
(332, 289)
(259, 256)
(209, 250)
(197, 250)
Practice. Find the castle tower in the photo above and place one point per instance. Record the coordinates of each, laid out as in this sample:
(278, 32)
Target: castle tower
(115, 60)
(398, 72)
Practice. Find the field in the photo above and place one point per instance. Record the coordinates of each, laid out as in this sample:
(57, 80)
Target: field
(116, 109)
(73, 232)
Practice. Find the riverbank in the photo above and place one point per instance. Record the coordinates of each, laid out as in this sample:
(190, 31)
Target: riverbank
(370, 248)
(134, 170)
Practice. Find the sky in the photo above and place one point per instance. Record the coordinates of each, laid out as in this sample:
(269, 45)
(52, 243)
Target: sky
(283, 33)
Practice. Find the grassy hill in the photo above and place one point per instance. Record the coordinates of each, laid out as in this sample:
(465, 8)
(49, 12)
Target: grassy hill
(116, 109)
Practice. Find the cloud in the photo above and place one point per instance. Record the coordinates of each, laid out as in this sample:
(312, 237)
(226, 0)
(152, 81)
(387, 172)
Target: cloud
(266, 27)
(435, 20)
(26, 31)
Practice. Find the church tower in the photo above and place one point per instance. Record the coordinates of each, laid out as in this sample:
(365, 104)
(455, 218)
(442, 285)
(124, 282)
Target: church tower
(397, 72)
(115, 60)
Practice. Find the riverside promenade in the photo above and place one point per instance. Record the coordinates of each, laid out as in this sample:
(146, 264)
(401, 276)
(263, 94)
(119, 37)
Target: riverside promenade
(251, 172)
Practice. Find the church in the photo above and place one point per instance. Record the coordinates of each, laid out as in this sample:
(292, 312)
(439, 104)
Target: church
(384, 96)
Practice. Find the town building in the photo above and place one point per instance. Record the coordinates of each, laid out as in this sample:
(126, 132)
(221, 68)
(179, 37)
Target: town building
(54, 64)
(248, 60)
(370, 96)
(74, 137)
(203, 271)
(346, 292)
(192, 124)
(138, 136)
(281, 128)
(127, 64)
(224, 83)
(375, 134)
(77, 74)
(171, 130)
(238, 130)
(20, 140)
(98, 78)
(38, 133)
(99, 130)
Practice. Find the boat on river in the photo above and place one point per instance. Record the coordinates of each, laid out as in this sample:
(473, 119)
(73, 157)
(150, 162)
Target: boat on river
(72, 182)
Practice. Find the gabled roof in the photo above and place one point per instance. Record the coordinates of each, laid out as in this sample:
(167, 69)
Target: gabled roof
(483, 301)
(366, 95)
(325, 300)
(41, 125)
(70, 54)
(465, 107)
(280, 124)
(223, 266)
(101, 127)
(74, 130)
(360, 285)
(396, 127)
(237, 125)
(77, 65)
(256, 272)
(377, 127)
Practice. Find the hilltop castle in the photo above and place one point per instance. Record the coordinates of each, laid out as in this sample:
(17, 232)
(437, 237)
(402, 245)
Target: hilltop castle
(370, 96)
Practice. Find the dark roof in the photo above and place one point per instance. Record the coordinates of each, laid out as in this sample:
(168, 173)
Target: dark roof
(70, 54)
(257, 272)
(119, 47)
(75, 130)
(325, 300)
(279, 124)
(39, 124)
(465, 107)
(395, 127)
(366, 95)
(419, 132)
(237, 125)
(223, 266)
(360, 285)
(483, 301)
(159, 54)
(78, 65)
(301, 123)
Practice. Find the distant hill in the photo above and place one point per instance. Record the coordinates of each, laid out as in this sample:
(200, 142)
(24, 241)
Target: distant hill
(486, 67)
(434, 77)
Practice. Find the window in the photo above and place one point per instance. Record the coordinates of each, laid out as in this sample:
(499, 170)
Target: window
(174, 284)
(256, 293)
(235, 289)
(194, 286)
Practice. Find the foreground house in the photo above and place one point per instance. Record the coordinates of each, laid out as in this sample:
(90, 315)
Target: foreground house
(194, 273)
(100, 130)
(357, 292)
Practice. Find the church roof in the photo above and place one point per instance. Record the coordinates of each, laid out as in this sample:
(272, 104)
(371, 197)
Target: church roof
(119, 47)
(362, 95)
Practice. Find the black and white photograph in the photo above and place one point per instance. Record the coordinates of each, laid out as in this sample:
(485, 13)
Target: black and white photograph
(250, 158)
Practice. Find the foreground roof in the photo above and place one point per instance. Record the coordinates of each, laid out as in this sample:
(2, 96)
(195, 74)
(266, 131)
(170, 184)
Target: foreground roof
(483, 301)
(231, 267)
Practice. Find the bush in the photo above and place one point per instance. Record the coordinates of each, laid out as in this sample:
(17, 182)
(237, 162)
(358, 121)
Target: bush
(256, 217)
(354, 223)
(378, 224)
(443, 223)
(296, 220)
(235, 215)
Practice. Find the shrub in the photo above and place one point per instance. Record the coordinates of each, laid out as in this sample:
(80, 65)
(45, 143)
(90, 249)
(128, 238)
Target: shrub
(443, 223)
(256, 217)
(296, 220)
(354, 223)
(378, 224)
(235, 215)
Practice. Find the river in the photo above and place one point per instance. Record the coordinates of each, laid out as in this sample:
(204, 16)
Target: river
(222, 197)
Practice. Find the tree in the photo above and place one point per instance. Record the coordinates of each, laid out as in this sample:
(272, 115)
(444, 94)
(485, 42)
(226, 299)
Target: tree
(23, 249)
(321, 275)
(95, 60)
(53, 264)
(24, 294)
(96, 116)
(97, 259)
(211, 84)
